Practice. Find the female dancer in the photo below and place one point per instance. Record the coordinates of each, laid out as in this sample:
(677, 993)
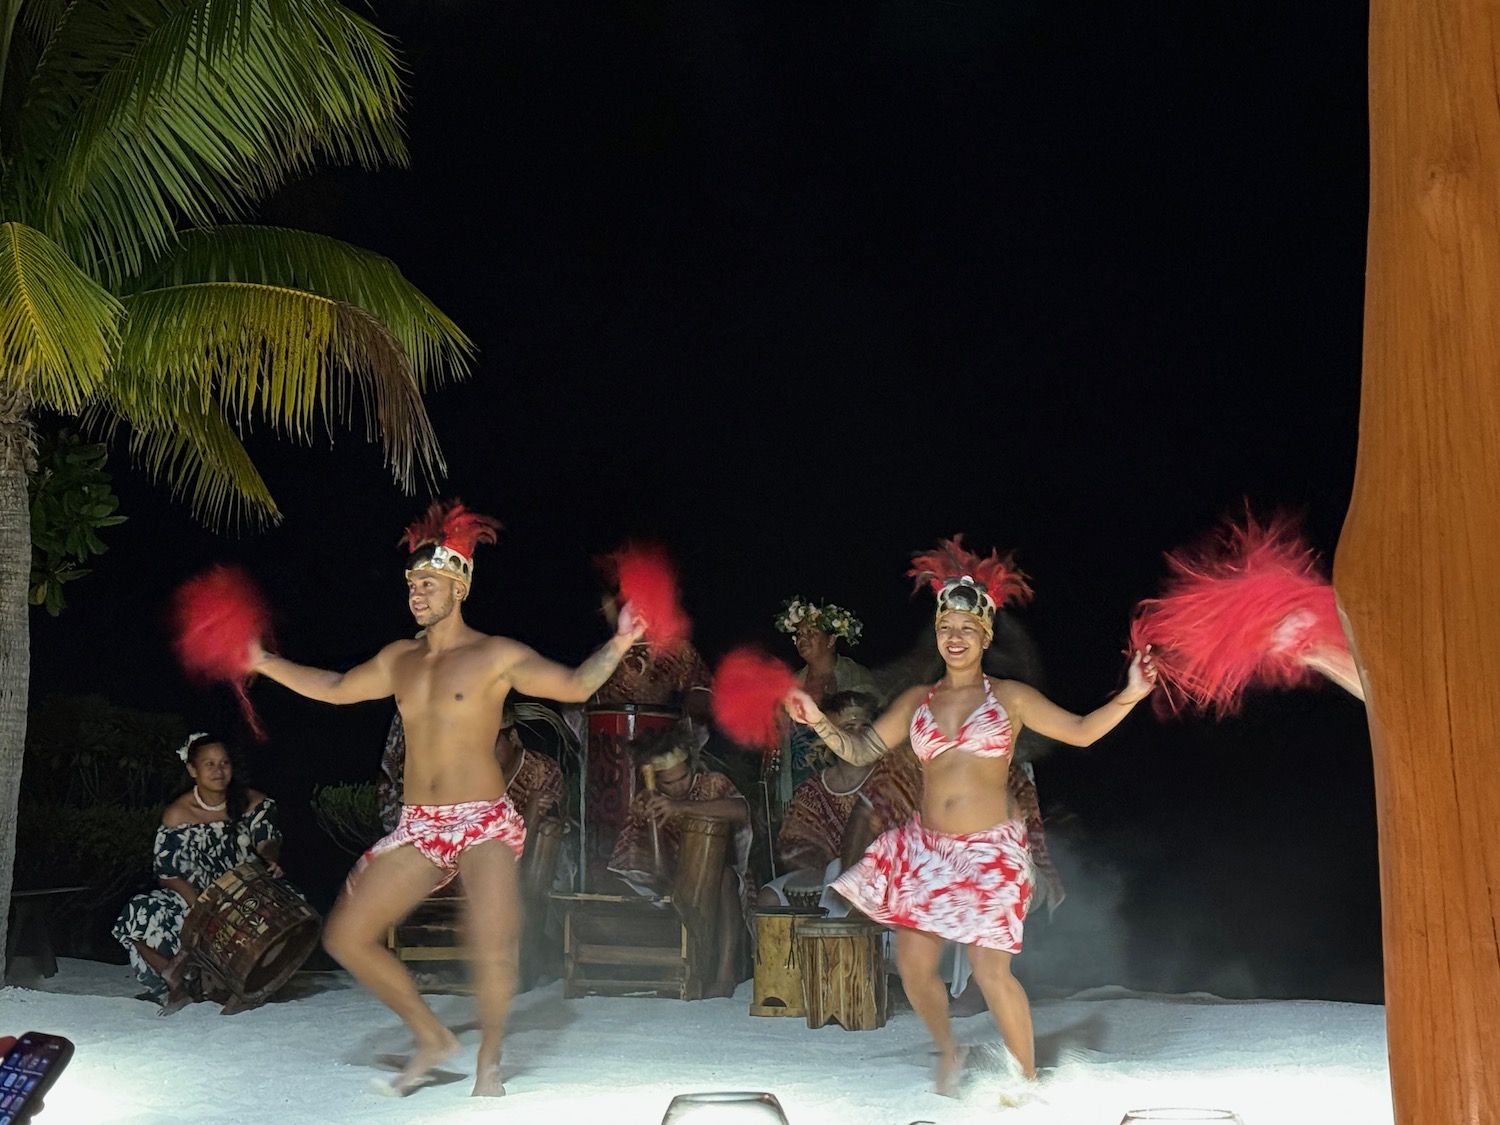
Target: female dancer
(960, 871)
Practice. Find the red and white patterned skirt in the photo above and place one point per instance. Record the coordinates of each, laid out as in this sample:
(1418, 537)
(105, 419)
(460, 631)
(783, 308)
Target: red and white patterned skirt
(442, 832)
(971, 888)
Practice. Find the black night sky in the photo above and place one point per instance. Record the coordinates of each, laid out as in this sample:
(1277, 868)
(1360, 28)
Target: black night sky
(799, 287)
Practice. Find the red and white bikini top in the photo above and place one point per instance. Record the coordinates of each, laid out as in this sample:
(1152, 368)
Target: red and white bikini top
(986, 732)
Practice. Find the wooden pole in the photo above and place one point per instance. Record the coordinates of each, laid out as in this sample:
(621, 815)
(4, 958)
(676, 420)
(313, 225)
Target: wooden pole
(1418, 567)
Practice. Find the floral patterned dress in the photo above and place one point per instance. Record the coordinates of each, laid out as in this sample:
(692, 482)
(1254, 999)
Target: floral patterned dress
(197, 854)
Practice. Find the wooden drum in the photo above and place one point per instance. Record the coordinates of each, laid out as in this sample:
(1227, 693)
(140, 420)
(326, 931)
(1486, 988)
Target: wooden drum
(249, 933)
(807, 898)
(843, 973)
(539, 859)
(778, 972)
(701, 862)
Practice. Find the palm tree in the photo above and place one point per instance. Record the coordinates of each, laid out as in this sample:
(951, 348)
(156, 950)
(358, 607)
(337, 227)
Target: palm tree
(136, 137)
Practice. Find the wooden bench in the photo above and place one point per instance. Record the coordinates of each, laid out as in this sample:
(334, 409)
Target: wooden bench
(30, 931)
(628, 945)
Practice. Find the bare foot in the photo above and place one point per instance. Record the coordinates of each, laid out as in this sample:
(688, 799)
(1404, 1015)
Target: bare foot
(950, 1072)
(487, 1081)
(424, 1060)
(1022, 1093)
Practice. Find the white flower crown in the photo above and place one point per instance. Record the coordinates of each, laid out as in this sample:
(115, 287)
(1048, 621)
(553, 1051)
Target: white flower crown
(182, 751)
(832, 619)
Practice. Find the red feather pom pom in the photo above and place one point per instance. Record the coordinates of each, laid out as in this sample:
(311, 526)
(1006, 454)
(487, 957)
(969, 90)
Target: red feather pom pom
(951, 559)
(1236, 613)
(215, 617)
(748, 689)
(648, 583)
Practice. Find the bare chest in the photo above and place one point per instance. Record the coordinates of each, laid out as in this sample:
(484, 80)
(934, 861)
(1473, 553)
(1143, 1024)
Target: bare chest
(450, 681)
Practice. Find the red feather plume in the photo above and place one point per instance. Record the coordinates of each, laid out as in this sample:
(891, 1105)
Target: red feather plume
(1006, 584)
(749, 686)
(449, 523)
(215, 617)
(1235, 613)
(647, 579)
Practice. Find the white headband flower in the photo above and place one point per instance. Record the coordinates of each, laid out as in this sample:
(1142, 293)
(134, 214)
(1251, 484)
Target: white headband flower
(182, 751)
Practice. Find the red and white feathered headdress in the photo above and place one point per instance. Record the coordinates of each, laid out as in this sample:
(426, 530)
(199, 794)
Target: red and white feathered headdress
(443, 541)
(965, 583)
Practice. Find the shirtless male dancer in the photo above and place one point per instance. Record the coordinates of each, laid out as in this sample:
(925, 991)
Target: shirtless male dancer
(450, 685)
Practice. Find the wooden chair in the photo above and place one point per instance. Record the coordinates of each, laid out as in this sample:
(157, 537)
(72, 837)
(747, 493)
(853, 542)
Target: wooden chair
(433, 931)
(627, 945)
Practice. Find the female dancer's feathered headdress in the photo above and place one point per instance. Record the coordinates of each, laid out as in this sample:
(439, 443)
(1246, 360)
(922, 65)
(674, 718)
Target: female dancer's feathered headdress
(965, 583)
(443, 540)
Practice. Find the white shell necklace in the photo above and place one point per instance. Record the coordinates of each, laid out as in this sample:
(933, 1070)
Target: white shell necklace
(220, 807)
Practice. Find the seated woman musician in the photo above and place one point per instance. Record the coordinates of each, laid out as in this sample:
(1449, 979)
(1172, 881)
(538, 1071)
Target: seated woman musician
(213, 827)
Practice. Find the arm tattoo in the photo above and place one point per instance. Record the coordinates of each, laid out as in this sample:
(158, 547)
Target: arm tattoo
(858, 750)
(594, 671)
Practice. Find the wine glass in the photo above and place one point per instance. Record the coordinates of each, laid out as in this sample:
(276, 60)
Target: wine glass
(1181, 1116)
(728, 1106)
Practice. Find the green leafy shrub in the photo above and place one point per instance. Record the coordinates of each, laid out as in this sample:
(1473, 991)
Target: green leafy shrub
(349, 813)
(71, 501)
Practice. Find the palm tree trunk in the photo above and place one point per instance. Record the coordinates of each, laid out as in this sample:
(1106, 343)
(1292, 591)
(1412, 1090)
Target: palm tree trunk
(15, 625)
(1418, 566)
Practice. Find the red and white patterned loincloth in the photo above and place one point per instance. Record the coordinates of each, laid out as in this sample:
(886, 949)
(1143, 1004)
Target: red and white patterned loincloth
(971, 888)
(442, 832)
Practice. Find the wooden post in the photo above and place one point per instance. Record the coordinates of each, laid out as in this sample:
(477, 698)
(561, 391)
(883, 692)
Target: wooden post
(1418, 567)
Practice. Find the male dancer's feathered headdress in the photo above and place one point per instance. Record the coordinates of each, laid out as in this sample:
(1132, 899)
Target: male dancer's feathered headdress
(965, 583)
(443, 540)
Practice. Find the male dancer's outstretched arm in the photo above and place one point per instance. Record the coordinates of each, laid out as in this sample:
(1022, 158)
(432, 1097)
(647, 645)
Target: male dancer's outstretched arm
(530, 673)
(526, 670)
(363, 682)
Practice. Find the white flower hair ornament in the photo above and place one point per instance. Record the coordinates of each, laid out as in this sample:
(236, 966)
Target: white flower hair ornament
(182, 751)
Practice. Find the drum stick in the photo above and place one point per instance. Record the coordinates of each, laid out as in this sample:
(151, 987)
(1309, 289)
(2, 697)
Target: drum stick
(648, 773)
(765, 799)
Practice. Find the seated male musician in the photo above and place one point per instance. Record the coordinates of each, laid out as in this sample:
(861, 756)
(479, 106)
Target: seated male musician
(835, 814)
(649, 848)
(533, 781)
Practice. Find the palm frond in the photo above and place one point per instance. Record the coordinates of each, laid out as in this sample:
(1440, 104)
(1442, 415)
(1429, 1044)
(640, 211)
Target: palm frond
(41, 17)
(193, 451)
(58, 326)
(282, 354)
(435, 346)
(26, 32)
(145, 113)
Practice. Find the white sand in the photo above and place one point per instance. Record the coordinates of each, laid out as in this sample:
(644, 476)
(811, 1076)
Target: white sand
(309, 1057)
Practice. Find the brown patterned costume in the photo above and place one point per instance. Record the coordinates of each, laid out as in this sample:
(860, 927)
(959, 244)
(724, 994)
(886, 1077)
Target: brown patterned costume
(1049, 887)
(632, 854)
(812, 833)
(655, 677)
(538, 777)
(633, 858)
